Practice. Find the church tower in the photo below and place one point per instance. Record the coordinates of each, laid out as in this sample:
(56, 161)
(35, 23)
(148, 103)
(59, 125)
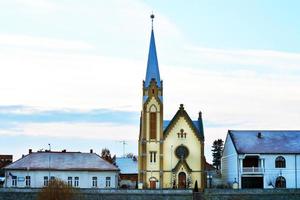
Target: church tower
(171, 152)
(151, 123)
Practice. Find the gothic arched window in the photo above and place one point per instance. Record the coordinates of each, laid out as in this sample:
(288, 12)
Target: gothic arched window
(280, 162)
(280, 182)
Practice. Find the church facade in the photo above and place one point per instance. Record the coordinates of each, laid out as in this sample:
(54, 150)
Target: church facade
(171, 152)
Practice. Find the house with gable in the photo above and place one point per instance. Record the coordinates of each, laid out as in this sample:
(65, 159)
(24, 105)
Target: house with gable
(261, 159)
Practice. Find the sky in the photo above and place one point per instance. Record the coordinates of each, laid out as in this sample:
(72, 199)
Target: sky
(71, 72)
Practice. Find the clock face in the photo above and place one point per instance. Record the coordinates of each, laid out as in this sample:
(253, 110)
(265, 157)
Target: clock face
(182, 152)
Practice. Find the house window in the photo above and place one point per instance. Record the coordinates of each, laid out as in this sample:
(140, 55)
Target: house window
(46, 181)
(76, 182)
(14, 181)
(107, 182)
(280, 162)
(152, 156)
(70, 181)
(27, 181)
(94, 181)
(153, 125)
(280, 182)
(52, 178)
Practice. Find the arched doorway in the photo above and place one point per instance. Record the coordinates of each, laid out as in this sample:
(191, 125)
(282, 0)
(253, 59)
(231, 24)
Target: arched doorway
(152, 181)
(181, 180)
(280, 182)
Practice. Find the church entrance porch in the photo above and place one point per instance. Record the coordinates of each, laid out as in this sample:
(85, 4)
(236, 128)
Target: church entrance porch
(181, 180)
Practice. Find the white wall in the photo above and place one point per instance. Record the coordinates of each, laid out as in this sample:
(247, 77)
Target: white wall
(85, 178)
(289, 172)
(229, 162)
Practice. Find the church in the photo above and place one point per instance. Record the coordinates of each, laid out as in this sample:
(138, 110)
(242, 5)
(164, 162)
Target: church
(170, 152)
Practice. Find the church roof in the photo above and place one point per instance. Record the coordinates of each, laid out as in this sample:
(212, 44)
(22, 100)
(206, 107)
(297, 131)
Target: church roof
(152, 65)
(260, 141)
(197, 125)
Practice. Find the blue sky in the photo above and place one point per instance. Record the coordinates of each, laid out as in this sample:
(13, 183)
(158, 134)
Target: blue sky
(71, 71)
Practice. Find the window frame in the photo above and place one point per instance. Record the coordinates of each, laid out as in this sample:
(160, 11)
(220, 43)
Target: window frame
(280, 182)
(76, 181)
(70, 181)
(153, 156)
(46, 181)
(28, 181)
(280, 162)
(14, 182)
(94, 181)
(108, 181)
(153, 126)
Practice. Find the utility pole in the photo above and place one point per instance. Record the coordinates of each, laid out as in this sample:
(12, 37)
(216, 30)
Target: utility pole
(124, 143)
(49, 160)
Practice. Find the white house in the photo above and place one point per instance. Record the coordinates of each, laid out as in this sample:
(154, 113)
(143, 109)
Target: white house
(82, 170)
(262, 159)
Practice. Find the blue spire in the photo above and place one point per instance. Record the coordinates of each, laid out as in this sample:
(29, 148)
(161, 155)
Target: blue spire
(152, 65)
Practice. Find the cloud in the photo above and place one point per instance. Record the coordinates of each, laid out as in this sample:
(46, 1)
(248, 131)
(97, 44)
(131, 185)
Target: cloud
(269, 59)
(104, 131)
(24, 114)
(26, 41)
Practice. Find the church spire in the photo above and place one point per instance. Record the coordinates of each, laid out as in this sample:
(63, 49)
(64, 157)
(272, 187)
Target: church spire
(152, 65)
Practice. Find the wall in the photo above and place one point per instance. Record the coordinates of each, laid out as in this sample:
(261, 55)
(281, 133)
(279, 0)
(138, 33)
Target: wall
(194, 158)
(85, 177)
(271, 173)
(248, 194)
(229, 162)
(97, 194)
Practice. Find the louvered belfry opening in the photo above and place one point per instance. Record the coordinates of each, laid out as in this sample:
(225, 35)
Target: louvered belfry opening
(152, 125)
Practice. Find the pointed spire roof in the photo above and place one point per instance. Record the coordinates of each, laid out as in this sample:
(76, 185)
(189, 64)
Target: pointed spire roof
(152, 65)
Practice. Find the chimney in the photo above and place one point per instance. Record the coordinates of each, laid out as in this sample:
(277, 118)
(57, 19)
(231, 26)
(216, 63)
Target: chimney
(91, 150)
(259, 134)
(30, 151)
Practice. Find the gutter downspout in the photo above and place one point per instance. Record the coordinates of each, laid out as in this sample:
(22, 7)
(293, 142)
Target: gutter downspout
(238, 169)
(5, 178)
(296, 171)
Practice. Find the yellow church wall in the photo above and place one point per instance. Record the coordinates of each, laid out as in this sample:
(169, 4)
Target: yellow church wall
(191, 142)
(153, 145)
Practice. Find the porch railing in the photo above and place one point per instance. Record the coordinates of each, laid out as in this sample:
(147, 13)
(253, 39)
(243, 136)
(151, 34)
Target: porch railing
(252, 170)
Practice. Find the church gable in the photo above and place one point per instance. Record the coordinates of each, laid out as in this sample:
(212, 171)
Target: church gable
(183, 118)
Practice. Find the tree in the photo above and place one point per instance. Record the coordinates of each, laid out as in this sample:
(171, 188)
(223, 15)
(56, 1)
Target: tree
(56, 190)
(217, 149)
(105, 154)
(131, 155)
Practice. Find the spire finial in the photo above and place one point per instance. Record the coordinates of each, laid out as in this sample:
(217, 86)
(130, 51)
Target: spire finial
(152, 17)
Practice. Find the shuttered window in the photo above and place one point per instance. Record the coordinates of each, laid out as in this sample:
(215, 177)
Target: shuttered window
(152, 125)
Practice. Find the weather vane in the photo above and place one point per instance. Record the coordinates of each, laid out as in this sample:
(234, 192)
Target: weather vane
(152, 17)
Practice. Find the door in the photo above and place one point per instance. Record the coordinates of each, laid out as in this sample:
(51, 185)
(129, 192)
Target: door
(152, 184)
(252, 182)
(181, 180)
